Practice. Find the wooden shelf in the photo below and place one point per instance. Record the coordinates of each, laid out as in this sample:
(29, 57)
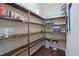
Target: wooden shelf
(48, 23)
(9, 45)
(36, 23)
(59, 24)
(57, 32)
(16, 43)
(8, 18)
(56, 18)
(23, 48)
(63, 40)
(13, 36)
(19, 35)
(36, 42)
(32, 33)
(19, 49)
(24, 10)
(62, 24)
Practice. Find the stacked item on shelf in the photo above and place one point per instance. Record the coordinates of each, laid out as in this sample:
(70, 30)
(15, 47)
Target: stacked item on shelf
(47, 43)
(54, 45)
(56, 29)
(2, 10)
(49, 29)
(11, 14)
(49, 23)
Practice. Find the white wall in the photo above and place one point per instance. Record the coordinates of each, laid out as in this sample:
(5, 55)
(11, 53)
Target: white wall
(48, 10)
(52, 10)
(72, 48)
(32, 7)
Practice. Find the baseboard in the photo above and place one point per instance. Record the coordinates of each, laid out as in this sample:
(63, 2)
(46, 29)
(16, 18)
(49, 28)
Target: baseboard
(66, 52)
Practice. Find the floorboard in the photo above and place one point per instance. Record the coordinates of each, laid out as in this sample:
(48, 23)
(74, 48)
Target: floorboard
(49, 52)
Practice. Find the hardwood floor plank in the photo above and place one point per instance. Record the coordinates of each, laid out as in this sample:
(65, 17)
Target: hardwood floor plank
(49, 52)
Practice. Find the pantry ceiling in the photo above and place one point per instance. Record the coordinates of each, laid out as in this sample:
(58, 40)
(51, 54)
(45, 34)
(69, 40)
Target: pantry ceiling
(48, 4)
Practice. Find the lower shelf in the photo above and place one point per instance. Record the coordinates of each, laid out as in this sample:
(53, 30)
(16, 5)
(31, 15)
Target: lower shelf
(11, 44)
(61, 43)
(16, 51)
(51, 39)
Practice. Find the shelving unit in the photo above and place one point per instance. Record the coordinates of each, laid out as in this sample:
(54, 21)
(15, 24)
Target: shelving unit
(59, 36)
(22, 36)
(57, 32)
(13, 36)
(8, 18)
(27, 35)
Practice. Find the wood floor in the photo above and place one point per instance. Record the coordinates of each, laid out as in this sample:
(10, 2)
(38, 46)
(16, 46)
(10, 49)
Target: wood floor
(48, 52)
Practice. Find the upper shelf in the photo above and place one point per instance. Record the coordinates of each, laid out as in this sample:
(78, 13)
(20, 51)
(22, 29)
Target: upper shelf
(24, 10)
(57, 24)
(17, 20)
(11, 19)
(37, 23)
(32, 33)
(56, 18)
(60, 24)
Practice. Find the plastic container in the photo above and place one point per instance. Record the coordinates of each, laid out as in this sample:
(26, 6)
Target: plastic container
(54, 46)
(56, 29)
(47, 44)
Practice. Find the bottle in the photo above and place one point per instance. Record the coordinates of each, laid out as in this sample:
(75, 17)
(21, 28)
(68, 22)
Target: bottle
(2, 10)
(6, 32)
